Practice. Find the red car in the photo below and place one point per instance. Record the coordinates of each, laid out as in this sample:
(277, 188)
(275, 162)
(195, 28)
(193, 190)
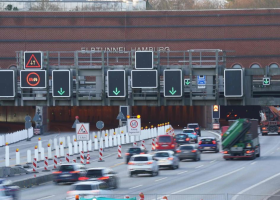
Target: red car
(166, 142)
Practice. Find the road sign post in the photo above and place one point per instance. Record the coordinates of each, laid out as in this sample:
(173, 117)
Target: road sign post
(7, 83)
(116, 83)
(266, 81)
(144, 79)
(216, 112)
(33, 60)
(172, 83)
(61, 83)
(201, 81)
(134, 126)
(82, 131)
(33, 79)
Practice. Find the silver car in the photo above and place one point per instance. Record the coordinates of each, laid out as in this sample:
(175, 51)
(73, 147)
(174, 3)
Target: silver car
(167, 159)
(188, 151)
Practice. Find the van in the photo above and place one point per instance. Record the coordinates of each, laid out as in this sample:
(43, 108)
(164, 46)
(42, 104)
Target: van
(166, 142)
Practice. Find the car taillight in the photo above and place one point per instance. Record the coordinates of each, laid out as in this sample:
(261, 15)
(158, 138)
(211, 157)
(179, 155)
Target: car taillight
(127, 154)
(104, 178)
(194, 151)
(142, 153)
(196, 128)
(214, 142)
(170, 158)
(225, 152)
(172, 145)
(156, 145)
(199, 142)
(178, 151)
(74, 172)
(131, 163)
(83, 178)
(194, 133)
(263, 128)
(69, 192)
(149, 163)
(187, 139)
(58, 172)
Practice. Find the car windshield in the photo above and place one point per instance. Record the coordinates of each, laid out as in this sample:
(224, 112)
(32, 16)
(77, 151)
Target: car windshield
(207, 140)
(85, 187)
(142, 158)
(190, 134)
(67, 168)
(186, 147)
(94, 173)
(179, 136)
(162, 154)
(187, 131)
(164, 139)
(192, 126)
(134, 150)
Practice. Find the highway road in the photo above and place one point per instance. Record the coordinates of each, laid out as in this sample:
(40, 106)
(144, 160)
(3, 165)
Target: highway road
(211, 175)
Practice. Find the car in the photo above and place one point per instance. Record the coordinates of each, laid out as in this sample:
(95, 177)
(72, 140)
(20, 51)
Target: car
(191, 134)
(167, 159)
(89, 189)
(3, 195)
(134, 151)
(188, 151)
(102, 174)
(182, 138)
(166, 142)
(196, 127)
(143, 164)
(68, 173)
(231, 116)
(9, 190)
(209, 144)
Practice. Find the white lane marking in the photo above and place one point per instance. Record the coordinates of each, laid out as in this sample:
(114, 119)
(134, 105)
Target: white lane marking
(199, 166)
(217, 134)
(203, 183)
(253, 163)
(161, 179)
(135, 187)
(274, 193)
(183, 172)
(213, 161)
(257, 184)
(47, 197)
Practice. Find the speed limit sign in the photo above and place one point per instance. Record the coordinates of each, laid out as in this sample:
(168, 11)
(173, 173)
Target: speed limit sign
(134, 126)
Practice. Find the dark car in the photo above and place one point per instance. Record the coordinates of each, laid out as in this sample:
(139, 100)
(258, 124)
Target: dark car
(134, 151)
(68, 173)
(191, 134)
(209, 144)
(196, 128)
(9, 189)
(101, 174)
(182, 138)
(188, 151)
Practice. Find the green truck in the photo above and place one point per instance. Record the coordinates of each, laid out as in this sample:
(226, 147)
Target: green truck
(241, 140)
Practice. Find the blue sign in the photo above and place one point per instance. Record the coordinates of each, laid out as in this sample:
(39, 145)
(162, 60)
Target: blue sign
(201, 81)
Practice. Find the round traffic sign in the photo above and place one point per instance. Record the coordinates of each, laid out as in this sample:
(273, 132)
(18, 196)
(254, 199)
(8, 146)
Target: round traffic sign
(100, 124)
(133, 124)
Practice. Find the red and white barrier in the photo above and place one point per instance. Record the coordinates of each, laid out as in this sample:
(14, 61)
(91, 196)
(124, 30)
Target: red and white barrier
(55, 162)
(134, 144)
(141, 195)
(88, 158)
(36, 153)
(67, 158)
(7, 155)
(143, 144)
(17, 157)
(82, 157)
(126, 197)
(46, 165)
(74, 161)
(34, 170)
(100, 155)
(119, 151)
(153, 144)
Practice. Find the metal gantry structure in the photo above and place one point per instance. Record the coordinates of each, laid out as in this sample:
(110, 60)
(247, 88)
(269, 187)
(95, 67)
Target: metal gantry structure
(89, 80)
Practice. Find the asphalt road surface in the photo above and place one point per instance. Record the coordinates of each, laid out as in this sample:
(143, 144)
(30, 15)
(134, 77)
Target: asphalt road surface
(211, 178)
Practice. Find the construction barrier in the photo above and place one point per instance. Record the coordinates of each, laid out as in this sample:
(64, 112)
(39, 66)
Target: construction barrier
(88, 158)
(36, 152)
(75, 147)
(15, 137)
(17, 157)
(80, 146)
(55, 144)
(106, 140)
(49, 151)
(70, 149)
(28, 157)
(153, 144)
(82, 157)
(42, 155)
(57, 151)
(85, 146)
(119, 139)
(95, 143)
(61, 150)
(134, 144)
(115, 139)
(122, 137)
(90, 146)
(55, 162)
(68, 142)
(67, 158)
(141, 195)
(7, 155)
(126, 138)
(74, 161)
(34, 170)
(120, 152)
(46, 165)
(143, 144)
(110, 141)
(39, 145)
(100, 155)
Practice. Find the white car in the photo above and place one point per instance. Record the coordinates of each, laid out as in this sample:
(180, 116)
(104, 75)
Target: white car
(143, 164)
(167, 159)
(89, 189)
(3, 195)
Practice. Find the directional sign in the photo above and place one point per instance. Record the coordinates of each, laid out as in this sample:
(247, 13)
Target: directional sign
(144, 79)
(82, 131)
(187, 82)
(61, 83)
(7, 83)
(121, 116)
(116, 83)
(125, 111)
(33, 60)
(233, 83)
(201, 81)
(134, 126)
(33, 79)
(144, 60)
(266, 81)
(216, 112)
(172, 83)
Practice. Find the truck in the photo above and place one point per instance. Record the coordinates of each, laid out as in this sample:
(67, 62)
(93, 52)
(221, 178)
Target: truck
(270, 120)
(241, 140)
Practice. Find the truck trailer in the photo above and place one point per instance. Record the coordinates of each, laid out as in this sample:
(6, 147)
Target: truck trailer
(241, 140)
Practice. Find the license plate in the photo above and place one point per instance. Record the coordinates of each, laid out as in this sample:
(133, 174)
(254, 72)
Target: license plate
(140, 164)
(165, 145)
(65, 175)
(181, 140)
(207, 147)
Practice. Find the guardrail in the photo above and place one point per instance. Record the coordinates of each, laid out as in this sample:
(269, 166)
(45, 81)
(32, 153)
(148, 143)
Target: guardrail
(15, 137)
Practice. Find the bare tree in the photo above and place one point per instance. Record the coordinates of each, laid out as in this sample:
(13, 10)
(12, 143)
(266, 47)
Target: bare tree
(253, 4)
(45, 5)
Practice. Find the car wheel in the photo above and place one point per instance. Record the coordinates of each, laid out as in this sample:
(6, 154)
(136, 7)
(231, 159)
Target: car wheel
(217, 151)
(130, 174)
(116, 184)
(178, 166)
(173, 167)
